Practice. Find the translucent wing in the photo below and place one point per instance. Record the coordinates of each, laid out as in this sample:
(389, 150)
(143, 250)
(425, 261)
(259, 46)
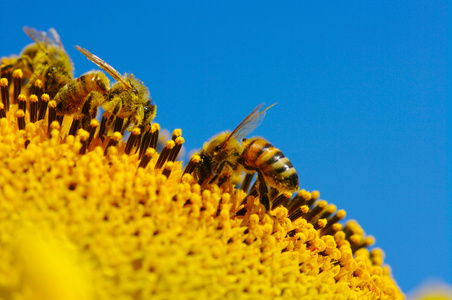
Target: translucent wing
(106, 67)
(41, 37)
(250, 123)
(36, 35)
(54, 38)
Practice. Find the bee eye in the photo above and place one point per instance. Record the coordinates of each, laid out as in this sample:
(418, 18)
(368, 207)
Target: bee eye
(50, 72)
(134, 90)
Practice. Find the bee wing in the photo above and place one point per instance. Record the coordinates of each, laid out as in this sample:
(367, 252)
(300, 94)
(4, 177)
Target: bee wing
(250, 123)
(106, 67)
(54, 38)
(39, 37)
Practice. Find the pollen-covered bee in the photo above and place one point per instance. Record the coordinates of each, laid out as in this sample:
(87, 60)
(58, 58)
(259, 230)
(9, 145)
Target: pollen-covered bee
(88, 89)
(45, 60)
(225, 155)
(127, 102)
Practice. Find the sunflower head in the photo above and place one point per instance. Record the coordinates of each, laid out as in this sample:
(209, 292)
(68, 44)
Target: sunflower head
(115, 215)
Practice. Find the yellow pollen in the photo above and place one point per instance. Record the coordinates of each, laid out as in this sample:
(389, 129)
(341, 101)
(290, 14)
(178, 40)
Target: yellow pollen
(52, 104)
(18, 74)
(196, 158)
(331, 208)
(322, 204)
(83, 134)
(117, 136)
(169, 165)
(39, 84)
(33, 98)
(176, 133)
(356, 238)
(180, 140)
(20, 113)
(170, 144)
(150, 152)
(341, 213)
(315, 195)
(3, 82)
(22, 97)
(337, 226)
(45, 97)
(86, 214)
(369, 241)
(155, 127)
(55, 125)
(94, 123)
(322, 222)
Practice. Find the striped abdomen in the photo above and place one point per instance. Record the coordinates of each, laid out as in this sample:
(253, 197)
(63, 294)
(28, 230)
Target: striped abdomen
(277, 170)
(71, 97)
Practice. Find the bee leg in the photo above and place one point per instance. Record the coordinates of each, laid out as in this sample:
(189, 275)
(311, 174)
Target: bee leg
(89, 110)
(224, 175)
(109, 123)
(222, 179)
(81, 118)
(103, 126)
(75, 125)
(126, 125)
(252, 192)
(263, 191)
(60, 119)
(37, 74)
(246, 182)
(213, 179)
(118, 124)
(24, 63)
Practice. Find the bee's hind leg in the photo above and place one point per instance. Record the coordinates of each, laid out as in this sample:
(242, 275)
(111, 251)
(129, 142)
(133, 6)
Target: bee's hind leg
(263, 191)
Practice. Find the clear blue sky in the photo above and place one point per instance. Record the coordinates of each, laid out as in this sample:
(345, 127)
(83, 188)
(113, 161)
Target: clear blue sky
(363, 92)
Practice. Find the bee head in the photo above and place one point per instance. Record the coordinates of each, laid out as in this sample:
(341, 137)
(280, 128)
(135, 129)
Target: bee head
(50, 71)
(133, 90)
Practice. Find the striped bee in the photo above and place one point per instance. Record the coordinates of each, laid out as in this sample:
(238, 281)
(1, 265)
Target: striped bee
(224, 155)
(90, 89)
(128, 101)
(45, 59)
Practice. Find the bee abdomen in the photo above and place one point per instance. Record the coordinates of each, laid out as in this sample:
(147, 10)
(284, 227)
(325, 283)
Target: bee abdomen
(271, 162)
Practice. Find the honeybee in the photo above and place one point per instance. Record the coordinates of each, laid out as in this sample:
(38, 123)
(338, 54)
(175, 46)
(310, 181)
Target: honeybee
(225, 155)
(45, 60)
(90, 88)
(127, 100)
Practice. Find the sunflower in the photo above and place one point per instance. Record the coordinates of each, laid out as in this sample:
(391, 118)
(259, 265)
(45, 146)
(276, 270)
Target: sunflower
(84, 216)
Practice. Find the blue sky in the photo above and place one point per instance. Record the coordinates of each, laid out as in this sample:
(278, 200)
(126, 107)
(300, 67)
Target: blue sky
(363, 92)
